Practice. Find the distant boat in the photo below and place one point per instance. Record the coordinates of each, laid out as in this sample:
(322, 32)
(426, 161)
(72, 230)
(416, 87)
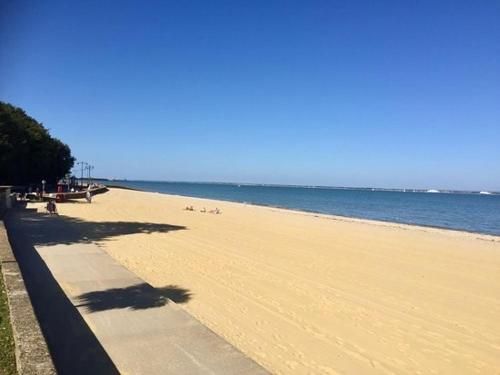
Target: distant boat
(433, 191)
(485, 193)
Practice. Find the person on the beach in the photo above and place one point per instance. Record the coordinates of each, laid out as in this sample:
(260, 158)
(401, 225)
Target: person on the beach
(88, 196)
(51, 207)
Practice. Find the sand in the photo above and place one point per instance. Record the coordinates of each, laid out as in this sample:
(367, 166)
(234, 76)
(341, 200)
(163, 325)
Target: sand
(303, 293)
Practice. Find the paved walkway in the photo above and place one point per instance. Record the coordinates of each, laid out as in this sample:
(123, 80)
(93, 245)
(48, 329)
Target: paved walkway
(140, 329)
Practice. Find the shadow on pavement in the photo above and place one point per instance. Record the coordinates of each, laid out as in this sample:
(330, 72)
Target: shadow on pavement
(73, 346)
(136, 297)
(48, 229)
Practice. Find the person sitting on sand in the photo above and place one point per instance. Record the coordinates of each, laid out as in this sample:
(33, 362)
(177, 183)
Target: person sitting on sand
(203, 209)
(51, 207)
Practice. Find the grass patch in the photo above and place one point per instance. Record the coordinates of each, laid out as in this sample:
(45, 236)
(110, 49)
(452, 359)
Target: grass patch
(7, 356)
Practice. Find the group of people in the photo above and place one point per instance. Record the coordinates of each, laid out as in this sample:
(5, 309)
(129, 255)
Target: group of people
(216, 211)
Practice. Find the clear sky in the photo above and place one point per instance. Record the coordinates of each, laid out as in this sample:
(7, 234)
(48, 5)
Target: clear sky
(353, 93)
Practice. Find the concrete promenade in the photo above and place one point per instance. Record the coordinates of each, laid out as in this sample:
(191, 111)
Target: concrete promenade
(99, 317)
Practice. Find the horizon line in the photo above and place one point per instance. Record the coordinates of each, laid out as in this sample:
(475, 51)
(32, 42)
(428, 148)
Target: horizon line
(409, 190)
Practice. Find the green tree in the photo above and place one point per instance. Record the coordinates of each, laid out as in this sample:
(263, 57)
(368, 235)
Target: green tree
(28, 153)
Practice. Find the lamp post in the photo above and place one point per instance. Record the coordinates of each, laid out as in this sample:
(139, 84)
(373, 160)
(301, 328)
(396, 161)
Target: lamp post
(43, 187)
(83, 165)
(91, 167)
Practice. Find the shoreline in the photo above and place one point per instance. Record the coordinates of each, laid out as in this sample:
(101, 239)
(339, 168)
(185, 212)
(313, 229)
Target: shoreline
(422, 227)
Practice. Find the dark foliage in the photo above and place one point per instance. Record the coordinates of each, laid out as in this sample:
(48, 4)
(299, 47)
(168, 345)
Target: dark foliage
(28, 154)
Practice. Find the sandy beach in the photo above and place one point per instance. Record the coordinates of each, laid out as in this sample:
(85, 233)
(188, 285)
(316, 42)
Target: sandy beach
(303, 293)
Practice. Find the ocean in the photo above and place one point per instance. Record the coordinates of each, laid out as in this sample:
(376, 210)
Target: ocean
(459, 211)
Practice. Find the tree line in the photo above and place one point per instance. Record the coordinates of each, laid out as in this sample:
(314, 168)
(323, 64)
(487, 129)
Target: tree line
(28, 153)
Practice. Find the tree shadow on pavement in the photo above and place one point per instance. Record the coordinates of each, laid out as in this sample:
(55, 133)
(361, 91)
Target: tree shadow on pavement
(45, 229)
(135, 297)
(73, 346)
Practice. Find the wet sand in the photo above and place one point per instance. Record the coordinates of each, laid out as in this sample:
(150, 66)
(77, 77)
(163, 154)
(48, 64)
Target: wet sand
(303, 293)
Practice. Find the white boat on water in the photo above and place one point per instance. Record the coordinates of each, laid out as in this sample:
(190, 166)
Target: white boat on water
(433, 191)
(485, 193)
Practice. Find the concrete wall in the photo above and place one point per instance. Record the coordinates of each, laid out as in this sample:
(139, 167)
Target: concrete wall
(32, 354)
(5, 199)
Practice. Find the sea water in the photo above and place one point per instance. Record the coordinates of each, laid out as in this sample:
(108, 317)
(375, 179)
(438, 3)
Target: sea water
(460, 211)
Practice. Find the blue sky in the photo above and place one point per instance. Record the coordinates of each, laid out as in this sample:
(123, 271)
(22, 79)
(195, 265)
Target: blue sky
(352, 93)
